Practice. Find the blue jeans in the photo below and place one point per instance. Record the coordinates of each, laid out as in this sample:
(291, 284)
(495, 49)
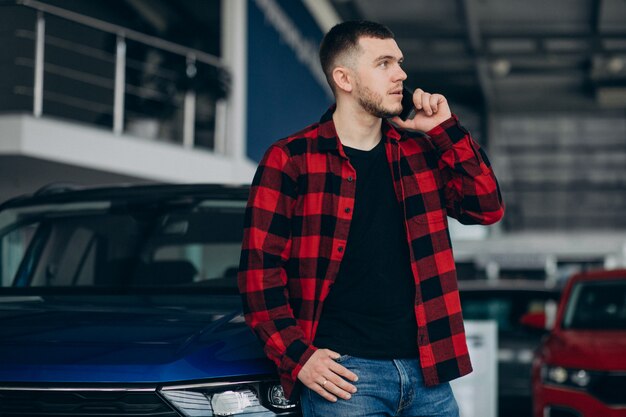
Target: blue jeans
(386, 387)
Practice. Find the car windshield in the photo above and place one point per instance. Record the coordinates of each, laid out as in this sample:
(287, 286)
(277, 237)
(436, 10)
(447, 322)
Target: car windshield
(112, 244)
(598, 305)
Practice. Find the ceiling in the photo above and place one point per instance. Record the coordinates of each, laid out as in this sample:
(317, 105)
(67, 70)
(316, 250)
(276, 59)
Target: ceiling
(491, 55)
(509, 55)
(193, 23)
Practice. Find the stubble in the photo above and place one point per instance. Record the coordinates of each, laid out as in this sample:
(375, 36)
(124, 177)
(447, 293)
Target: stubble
(373, 103)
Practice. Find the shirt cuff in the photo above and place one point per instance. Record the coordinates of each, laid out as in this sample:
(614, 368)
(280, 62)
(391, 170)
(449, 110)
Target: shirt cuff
(447, 133)
(291, 369)
(303, 359)
(296, 356)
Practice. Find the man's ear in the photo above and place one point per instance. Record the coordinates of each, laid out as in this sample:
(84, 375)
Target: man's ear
(342, 77)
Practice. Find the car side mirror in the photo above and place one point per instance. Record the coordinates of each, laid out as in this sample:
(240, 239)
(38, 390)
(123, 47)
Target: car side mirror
(535, 320)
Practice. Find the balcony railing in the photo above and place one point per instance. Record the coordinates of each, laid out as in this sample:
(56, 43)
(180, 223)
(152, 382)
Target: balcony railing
(62, 64)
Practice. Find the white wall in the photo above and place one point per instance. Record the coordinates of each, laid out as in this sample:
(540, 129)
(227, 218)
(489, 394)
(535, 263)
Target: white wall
(98, 149)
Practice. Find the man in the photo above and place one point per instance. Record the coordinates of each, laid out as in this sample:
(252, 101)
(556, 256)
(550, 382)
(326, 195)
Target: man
(346, 273)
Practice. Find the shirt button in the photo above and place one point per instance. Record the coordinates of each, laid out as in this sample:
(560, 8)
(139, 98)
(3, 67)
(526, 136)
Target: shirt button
(350, 179)
(347, 210)
(340, 249)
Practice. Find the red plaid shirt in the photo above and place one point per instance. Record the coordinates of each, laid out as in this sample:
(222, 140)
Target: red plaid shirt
(297, 222)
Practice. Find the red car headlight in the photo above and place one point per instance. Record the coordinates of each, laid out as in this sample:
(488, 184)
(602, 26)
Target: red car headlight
(558, 375)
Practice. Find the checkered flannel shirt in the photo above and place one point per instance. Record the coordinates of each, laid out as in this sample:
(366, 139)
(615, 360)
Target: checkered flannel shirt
(297, 222)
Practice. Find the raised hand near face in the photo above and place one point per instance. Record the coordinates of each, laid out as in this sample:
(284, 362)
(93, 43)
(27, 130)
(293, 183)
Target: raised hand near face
(432, 109)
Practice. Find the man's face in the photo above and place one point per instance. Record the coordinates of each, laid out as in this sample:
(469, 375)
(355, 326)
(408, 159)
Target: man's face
(379, 77)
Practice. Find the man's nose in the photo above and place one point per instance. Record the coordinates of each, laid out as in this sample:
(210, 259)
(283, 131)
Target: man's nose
(400, 74)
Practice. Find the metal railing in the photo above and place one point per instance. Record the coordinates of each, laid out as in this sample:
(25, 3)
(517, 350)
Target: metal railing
(102, 82)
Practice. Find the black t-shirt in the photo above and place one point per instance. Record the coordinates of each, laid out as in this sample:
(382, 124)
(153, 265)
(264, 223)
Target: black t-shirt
(369, 311)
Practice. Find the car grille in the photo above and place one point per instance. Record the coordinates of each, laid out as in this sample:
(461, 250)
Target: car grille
(41, 402)
(609, 388)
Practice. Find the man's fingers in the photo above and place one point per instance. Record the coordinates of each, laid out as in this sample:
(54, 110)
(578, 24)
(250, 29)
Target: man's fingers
(341, 384)
(331, 353)
(323, 392)
(417, 98)
(331, 385)
(318, 375)
(344, 372)
(426, 104)
(434, 101)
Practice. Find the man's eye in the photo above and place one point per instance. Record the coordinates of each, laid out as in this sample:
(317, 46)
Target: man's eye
(383, 64)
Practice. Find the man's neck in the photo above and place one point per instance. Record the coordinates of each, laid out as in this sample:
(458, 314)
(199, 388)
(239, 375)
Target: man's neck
(356, 128)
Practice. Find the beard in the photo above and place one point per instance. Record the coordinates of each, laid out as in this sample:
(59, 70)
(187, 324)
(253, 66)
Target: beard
(373, 103)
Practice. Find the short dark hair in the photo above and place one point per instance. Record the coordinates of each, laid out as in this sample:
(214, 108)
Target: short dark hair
(344, 37)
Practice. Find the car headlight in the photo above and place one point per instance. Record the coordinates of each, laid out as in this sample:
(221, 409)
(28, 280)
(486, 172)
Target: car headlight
(576, 378)
(229, 399)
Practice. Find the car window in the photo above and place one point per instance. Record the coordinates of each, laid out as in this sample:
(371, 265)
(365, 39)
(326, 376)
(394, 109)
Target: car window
(13, 246)
(506, 307)
(123, 245)
(597, 305)
(210, 260)
(495, 309)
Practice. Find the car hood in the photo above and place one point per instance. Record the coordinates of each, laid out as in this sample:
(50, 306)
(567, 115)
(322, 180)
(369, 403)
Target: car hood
(126, 339)
(599, 350)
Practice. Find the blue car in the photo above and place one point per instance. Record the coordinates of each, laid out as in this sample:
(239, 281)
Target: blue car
(123, 301)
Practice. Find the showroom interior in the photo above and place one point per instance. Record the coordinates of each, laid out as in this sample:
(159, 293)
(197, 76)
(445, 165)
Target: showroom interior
(103, 93)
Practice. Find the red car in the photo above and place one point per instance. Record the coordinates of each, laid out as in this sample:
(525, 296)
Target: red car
(580, 368)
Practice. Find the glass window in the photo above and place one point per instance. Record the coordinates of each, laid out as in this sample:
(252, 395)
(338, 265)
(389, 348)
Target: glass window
(84, 250)
(211, 261)
(498, 310)
(597, 306)
(123, 245)
(506, 308)
(13, 248)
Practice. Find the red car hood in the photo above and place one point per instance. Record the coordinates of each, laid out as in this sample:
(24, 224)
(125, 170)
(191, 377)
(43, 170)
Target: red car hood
(598, 350)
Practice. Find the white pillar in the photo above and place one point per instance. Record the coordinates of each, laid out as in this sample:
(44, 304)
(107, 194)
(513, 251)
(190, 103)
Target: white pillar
(39, 64)
(120, 85)
(189, 114)
(234, 55)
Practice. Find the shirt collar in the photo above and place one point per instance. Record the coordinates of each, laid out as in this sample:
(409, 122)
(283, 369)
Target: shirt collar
(327, 135)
